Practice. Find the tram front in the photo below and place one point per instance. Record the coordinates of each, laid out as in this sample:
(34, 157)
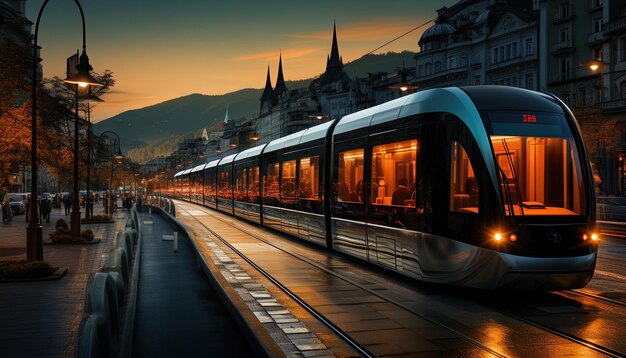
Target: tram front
(547, 211)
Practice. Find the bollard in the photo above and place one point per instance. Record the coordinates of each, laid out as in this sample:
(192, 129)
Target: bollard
(175, 241)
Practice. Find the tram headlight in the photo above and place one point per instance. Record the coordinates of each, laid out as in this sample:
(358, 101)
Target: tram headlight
(513, 237)
(497, 236)
(585, 237)
(595, 237)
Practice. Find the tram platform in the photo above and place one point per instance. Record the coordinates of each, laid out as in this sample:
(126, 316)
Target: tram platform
(178, 313)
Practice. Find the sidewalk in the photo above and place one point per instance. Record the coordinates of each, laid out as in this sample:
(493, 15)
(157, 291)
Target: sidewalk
(42, 318)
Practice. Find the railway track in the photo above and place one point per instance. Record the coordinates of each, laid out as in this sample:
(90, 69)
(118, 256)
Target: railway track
(341, 333)
(329, 271)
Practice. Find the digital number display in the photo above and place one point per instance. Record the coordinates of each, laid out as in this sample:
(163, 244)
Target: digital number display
(529, 118)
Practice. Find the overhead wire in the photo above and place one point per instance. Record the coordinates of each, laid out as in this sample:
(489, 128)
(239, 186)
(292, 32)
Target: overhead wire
(399, 37)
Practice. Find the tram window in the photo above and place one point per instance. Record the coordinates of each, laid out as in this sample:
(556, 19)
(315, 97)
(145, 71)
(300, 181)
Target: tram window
(270, 183)
(308, 186)
(288, 179)
(349, 186)
(253, 183)
(240, 184)
(393, 173)
(224, 190)
(540, 175)
(464, 191)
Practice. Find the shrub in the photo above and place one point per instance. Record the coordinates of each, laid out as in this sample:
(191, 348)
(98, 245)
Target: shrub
(96, 218)
(61, 224)
(25, 269)
(87, 235)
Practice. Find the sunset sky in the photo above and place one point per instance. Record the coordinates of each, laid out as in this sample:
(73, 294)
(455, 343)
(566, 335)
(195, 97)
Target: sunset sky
(163, 49)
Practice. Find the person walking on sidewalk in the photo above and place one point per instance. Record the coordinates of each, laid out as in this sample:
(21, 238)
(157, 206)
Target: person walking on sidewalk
(45, 210)
(67, 204)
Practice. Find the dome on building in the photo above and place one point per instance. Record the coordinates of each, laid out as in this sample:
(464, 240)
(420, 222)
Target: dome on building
(438, 30)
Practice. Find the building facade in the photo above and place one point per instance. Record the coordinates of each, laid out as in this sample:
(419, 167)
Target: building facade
(583, 58)
(477, 42)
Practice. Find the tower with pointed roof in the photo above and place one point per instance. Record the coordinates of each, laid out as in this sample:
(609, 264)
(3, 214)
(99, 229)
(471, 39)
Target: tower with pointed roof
(267, 92)
(334, 64)
(280, 89)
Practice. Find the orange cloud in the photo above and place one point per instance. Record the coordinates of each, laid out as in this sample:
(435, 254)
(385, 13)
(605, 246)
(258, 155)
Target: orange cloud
(287, 55)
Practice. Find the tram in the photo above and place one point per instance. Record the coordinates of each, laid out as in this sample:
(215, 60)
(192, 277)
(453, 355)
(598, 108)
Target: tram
(487, 187)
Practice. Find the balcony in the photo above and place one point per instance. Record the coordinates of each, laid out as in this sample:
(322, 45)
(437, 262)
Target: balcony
(563, 46)
(617, 105)
(594, 38)
(615, 25)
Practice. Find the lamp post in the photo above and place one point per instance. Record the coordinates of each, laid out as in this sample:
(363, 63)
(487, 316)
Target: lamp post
(89, 97)
(118, 156)
(34, 240)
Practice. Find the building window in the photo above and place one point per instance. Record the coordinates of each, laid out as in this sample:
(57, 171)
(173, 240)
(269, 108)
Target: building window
(429, 69)
(476, 80)
(514, 50)
(463, 60)
(563, 10)
(565, 65)
(308, 185)
(529, 47)
(564, 34)
(500, 53)
(514, 81)
(597, 24)
(393, 173)
(582, 93)
(451, 62)
(622, 49)
(494, 58)
(597, 53)
(530, 82)
(350, 176)
(437, 67)
(598, 94)
(421, 70)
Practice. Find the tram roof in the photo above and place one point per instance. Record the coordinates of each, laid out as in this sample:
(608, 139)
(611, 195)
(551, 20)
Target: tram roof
(228, 159)
(212, 164)
(250, 152)
(198, 168)
(301, 137)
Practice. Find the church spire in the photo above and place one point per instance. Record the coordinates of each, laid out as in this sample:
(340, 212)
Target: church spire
(334, 60)
(280, 81)
(267, 92)
(226, 118)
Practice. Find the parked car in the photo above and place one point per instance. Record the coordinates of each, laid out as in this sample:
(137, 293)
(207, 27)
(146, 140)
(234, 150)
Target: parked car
(16, 204)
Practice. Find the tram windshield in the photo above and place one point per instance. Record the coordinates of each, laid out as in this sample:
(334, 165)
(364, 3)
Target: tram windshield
(539, 166)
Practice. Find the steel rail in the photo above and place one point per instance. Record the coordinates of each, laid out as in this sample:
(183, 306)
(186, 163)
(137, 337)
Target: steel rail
(345, 279)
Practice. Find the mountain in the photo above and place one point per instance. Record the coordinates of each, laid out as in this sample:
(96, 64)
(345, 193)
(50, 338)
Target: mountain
(181, 116)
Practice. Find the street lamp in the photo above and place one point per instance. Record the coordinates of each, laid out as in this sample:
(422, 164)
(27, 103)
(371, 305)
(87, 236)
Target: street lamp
(34, 240)
(89, 97)
(118, 157)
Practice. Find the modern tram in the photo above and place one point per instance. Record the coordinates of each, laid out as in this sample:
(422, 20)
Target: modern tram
(487, 187)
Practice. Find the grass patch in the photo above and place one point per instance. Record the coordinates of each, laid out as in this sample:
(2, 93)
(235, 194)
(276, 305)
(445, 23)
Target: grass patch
(25, 269)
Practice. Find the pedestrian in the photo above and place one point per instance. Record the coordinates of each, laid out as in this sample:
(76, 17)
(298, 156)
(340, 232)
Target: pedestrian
(45, 210)
(67, 203)
(7, 213)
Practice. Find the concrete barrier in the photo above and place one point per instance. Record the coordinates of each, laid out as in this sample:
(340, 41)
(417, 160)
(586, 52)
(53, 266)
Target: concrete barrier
(133, 235)
(125, 241)
(94, 341)
(102, 301)
(117, 262)
(120, 287)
